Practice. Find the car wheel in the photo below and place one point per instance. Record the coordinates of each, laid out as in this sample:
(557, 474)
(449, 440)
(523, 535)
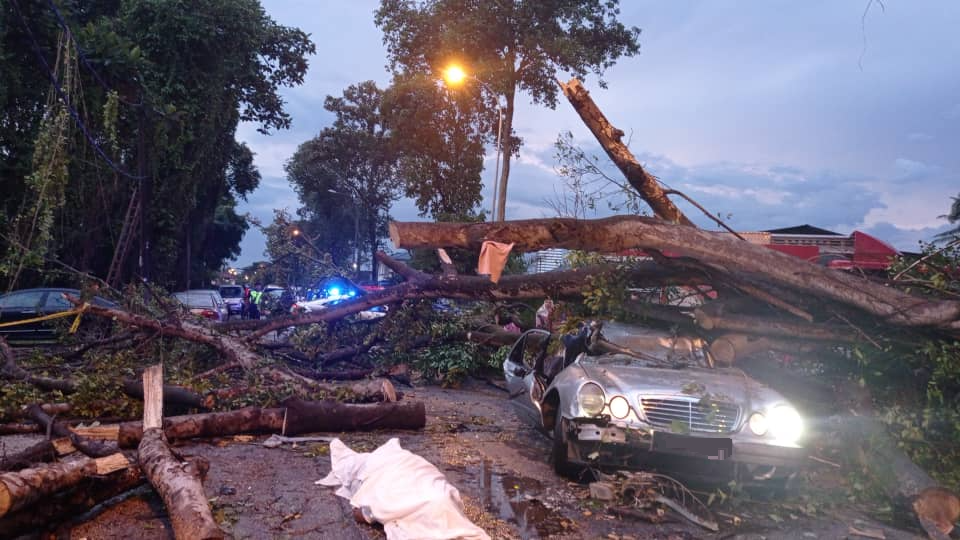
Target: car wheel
(560, 452)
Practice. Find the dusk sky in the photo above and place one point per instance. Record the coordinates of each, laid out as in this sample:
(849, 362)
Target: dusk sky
(763, 111)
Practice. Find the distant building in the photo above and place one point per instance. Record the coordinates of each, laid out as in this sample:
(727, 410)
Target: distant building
(859, 250)
(546, 260)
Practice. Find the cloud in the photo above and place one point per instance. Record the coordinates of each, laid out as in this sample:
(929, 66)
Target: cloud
(913, 170)
(920, 137)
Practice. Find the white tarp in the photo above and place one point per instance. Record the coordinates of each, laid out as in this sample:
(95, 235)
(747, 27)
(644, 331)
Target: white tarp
(401, 490)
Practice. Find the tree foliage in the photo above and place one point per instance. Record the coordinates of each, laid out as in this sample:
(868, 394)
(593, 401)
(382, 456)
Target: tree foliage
(507, 46)
(165, 84)
(440, 146)
(349, 171)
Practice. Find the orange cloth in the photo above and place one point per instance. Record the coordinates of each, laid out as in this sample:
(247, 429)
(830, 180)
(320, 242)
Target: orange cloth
(493, 257)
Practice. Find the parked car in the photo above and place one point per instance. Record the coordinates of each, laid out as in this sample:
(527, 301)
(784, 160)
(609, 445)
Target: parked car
(32, 303)
(335, 290)
(652, 402)
(233, 296)
(206, 303)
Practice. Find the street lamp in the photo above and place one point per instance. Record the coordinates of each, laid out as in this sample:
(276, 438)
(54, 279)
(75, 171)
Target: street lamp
(454, 75)
(356, 231)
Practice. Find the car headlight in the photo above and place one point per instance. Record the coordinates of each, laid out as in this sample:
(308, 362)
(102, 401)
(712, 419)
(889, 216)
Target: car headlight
(785, 423)
(619, 407)
(758, 423)
(591, 399)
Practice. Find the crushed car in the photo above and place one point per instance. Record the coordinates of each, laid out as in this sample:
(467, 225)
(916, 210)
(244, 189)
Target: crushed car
(616, 396)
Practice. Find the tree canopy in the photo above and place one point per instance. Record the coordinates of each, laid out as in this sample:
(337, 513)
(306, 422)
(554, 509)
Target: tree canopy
(507, 46)
(161, 88)
(349, 171)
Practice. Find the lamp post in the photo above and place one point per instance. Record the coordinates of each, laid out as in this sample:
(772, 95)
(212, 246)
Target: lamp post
(356, 232)
(455, 75)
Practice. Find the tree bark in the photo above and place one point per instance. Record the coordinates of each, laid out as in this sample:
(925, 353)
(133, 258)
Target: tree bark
(22, 488)
(42, 451)
(177, 481)
(400, 415)
(332, 416)
(610, 138)
(172, 395)
(89, 493)
(724, 253)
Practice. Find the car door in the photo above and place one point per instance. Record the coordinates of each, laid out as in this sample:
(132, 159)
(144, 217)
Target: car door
(20, 306)
(522, 382)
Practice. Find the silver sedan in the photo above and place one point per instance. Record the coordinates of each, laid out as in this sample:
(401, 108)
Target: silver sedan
(641, 399)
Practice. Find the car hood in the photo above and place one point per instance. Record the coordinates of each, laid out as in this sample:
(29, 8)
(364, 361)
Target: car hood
(721, 384)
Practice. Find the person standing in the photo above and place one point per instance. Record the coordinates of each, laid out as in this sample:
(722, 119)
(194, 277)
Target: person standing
(256, 297)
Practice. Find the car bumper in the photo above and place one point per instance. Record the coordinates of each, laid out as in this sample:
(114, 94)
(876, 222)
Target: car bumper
(616, 446)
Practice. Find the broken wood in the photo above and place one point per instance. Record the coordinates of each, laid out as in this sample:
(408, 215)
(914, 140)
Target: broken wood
(22, 488)
(610, 138)
(60, 429)
(363, 392)
(718, 251)
(176, 481)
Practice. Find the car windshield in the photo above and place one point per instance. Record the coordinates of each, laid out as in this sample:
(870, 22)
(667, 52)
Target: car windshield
(231, 292)
(633, 344)
(196, 299)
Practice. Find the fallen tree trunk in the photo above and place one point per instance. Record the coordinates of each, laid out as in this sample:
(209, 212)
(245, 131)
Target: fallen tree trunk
(177, 482)
(332, 416)
(22, 488)
(561, 284)
(363, 392)
(400, 415)
(721, 251)
(55, 508)
(610, 138)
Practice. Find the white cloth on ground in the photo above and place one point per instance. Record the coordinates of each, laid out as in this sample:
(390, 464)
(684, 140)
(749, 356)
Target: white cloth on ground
(406, 493)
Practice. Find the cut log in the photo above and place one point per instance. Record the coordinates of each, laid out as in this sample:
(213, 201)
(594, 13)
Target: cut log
(609, 138)
(60, 429)
(60, 506)
(720, 251)
(400, 415)
(22, 488)
(172, 395)
(40, 452)
(177, 482)
(363, 392)
(331, 416)
(247, 420)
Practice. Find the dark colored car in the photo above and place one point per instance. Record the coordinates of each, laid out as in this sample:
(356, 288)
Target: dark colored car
(233, 296)
(28, 304)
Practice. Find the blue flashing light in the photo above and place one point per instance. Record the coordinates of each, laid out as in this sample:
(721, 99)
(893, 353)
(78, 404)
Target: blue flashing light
(333, 291)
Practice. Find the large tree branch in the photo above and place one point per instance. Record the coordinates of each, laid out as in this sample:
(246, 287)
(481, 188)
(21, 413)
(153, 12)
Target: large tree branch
(562, 284)
(609, 138)
(616, 234)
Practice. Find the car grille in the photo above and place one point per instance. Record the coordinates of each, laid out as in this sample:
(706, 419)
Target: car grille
(699, 414)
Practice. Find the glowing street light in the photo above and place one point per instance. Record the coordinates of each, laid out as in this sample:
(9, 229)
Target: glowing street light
(454, 75)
